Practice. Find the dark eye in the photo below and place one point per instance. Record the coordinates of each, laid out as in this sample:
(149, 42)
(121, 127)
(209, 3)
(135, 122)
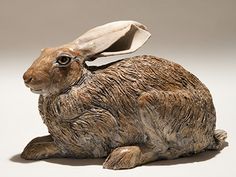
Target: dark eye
(63, 60)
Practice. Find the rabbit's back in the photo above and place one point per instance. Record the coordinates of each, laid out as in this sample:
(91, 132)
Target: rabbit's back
(121, 84)
(151, 73)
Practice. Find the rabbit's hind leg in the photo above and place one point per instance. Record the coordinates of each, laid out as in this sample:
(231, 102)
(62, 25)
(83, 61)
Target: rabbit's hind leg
(41, 148)
(169, 121)
(154, 147)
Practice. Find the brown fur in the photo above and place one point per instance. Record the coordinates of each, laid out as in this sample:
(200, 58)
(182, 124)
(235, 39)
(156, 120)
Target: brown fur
(134, 111)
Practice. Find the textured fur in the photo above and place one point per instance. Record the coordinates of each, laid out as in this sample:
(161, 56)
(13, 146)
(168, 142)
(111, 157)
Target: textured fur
(136, 110)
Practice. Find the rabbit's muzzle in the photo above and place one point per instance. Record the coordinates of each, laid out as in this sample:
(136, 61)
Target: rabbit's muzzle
(33, 82)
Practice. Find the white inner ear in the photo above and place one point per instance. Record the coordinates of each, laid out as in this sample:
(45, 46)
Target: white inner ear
(128, 43)
(114, 38)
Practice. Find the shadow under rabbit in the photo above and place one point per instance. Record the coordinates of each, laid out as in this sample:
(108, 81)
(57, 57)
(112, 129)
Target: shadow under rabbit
(203, 156)
(200, 157)
(62, 161)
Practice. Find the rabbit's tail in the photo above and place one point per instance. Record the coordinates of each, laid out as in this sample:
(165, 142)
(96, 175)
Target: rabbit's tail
(219, 138)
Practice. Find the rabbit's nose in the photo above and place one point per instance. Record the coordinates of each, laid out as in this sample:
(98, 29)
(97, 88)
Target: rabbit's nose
(27, 78)
(27, 81)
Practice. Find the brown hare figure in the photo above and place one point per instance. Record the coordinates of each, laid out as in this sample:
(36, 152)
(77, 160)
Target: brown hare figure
(132, 111)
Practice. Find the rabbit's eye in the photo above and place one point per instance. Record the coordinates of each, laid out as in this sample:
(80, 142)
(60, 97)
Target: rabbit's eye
(63, 60)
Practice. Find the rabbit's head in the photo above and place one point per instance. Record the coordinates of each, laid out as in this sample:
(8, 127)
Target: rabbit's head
(53, 71)
(56, 69)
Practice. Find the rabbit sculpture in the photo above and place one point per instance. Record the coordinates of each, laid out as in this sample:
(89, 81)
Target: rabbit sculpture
(132, 111)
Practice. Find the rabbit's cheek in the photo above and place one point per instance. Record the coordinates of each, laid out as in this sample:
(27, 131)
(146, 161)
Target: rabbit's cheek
(64, 77)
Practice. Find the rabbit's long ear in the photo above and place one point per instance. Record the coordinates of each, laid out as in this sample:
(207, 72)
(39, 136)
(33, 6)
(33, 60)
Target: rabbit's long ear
(114, 38)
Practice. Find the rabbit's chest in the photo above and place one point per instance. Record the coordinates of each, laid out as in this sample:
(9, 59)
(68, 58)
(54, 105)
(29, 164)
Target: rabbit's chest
(83, 134)
(60, 130)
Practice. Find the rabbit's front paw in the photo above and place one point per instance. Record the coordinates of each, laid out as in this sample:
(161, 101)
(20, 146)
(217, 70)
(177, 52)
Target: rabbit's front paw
(40, 150)
(123, 158)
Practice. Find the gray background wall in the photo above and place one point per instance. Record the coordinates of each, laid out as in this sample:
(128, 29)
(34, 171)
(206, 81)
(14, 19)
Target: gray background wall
(178, 26)
(198, 34)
